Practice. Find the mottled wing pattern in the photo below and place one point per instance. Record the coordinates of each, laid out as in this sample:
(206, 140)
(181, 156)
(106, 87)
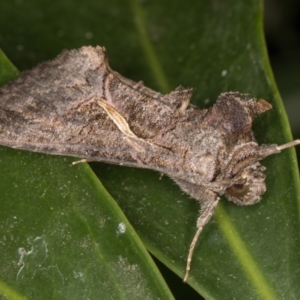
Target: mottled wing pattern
(54, 109)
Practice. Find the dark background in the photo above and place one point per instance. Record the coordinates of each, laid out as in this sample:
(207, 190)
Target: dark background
(282, 29)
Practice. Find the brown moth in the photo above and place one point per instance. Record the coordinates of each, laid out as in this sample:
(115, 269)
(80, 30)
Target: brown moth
(76, 105)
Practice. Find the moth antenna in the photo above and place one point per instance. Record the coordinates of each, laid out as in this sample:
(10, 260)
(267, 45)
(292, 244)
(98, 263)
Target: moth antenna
(288, 145)
(266, 150)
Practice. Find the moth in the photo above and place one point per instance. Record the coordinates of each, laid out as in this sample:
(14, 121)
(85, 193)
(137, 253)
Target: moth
(77, 105)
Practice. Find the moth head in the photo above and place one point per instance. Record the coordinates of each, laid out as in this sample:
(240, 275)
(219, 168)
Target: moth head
(245, 172)
(248, 187)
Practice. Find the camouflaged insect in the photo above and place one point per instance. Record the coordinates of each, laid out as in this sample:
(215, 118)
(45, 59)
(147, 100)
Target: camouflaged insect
(76, 105)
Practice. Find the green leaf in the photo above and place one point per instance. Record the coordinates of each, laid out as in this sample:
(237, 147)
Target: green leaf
(68, 224)
(7, 71)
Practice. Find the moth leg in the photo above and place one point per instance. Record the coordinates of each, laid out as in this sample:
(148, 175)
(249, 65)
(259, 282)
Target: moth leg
(209, 201)
(206, 212)
(81, 161)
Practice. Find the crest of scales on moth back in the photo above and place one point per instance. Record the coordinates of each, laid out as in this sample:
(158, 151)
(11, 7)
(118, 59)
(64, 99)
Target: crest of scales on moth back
(76, 105)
